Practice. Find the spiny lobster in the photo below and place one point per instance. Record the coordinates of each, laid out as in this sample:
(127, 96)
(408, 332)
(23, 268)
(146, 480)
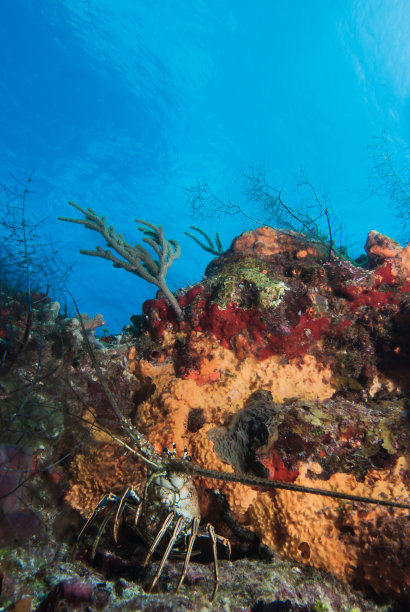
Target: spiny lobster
(169, 503)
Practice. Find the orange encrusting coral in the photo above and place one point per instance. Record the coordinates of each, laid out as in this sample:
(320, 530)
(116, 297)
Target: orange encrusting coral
(104, 469)
(164, 416)
(304, 527)
(382, 249)
(266, 241)
(309, 528)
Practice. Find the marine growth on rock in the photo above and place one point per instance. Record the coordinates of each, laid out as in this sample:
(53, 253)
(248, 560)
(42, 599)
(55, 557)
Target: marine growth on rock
(286, 364)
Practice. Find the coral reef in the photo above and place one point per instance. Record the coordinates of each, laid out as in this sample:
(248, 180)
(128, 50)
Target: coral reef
(288, 365)
(329, 341)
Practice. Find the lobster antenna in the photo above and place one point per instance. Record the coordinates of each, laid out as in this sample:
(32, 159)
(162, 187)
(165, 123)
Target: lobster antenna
(254, 481)
(146, 450)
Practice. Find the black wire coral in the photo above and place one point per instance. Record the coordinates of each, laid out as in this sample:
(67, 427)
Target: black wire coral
(135, 259)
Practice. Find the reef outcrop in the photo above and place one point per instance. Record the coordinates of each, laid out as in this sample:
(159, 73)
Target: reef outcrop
(291, 363)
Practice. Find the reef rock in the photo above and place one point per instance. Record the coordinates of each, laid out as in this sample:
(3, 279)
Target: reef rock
(381, 249)
(291, 363)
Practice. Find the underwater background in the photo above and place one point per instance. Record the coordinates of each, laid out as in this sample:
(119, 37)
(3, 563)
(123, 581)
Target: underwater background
(134, 107)
(273, 361)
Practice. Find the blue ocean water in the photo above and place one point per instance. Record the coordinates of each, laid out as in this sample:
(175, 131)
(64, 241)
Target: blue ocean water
(124, 106)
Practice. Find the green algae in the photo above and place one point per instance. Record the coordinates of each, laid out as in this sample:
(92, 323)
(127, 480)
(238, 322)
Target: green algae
(247, 284)
(346, 383)
(320, 607)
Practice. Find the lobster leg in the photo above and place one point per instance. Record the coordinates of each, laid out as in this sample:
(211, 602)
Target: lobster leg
(159, 537)
(226, 543)
(101, 531)
(192, 538)
(217, 538)
(102, 504)
(175, 533)
(212, 535)
(130, 498)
